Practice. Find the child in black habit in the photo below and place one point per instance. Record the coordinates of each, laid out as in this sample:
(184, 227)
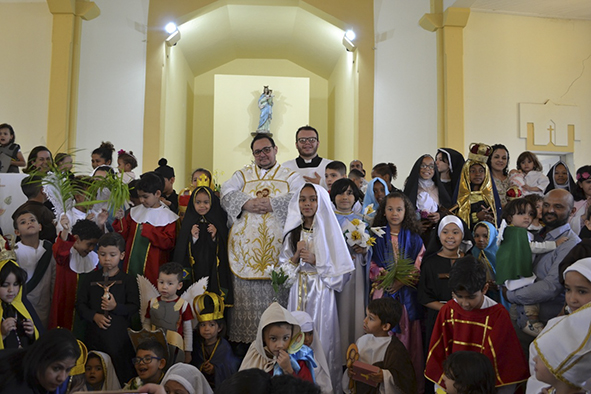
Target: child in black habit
(107, 299)
(201, 245)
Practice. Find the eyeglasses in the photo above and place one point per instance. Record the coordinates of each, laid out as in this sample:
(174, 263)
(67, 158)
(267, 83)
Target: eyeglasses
(429, 166)
(265, 150)
(303, 140)
(145, 360)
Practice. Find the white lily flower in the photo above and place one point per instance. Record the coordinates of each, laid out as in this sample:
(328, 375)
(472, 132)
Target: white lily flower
(379, 231)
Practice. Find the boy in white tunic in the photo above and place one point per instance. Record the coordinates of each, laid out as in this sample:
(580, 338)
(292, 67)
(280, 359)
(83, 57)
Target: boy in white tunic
(377, 347)
(35, 257)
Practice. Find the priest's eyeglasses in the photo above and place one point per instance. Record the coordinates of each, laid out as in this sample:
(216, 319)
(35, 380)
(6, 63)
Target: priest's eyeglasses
(311, 140)
(144, 360)
(266, 150)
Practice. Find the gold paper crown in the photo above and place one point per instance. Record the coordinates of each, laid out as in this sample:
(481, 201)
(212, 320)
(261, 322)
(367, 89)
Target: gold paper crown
(479, 152)
(218, 307)
(203, 181)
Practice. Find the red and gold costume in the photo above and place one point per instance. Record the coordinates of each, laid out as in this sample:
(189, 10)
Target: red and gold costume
(66, 282)
(150, 235)
(488, 331)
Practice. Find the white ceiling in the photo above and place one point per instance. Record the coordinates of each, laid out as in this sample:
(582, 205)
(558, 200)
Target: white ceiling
(261, 32)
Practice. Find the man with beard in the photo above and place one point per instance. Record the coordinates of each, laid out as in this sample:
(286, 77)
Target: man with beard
(308, 164)
(256, 200)
(547, 290)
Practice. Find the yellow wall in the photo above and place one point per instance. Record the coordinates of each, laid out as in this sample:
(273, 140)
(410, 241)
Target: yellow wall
(178, 106)
(24, 71)
(203, 145)
(510, 59)
(236, 116)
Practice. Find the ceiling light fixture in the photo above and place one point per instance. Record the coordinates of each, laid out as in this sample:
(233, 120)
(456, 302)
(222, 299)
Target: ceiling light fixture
(348, 41)
(174, 35)
(170, 27)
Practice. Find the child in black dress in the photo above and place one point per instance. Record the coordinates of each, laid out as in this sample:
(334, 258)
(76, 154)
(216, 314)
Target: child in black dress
(201, 245)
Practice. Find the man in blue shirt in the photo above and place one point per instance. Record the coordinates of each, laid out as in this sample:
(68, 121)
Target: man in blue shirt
(547, 290)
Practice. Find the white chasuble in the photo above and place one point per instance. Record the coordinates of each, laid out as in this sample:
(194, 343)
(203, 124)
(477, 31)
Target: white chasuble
(255, 240)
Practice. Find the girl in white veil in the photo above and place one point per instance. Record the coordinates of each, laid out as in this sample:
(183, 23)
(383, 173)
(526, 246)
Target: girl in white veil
(314, 244)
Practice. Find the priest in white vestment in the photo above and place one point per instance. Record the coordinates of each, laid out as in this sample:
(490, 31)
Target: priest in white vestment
(256, 200)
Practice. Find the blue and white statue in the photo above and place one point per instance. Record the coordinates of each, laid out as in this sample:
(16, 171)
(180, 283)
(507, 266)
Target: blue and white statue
(266, 107)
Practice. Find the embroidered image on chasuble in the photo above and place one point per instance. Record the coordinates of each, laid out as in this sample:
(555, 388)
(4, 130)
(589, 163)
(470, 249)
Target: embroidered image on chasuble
(488, 331)
(255, 240)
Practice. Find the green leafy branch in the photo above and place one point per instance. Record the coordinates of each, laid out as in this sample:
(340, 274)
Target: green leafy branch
(114, 183)
(401, 269)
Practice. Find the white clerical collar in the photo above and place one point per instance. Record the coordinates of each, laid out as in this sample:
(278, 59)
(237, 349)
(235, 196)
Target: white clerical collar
(308, 161)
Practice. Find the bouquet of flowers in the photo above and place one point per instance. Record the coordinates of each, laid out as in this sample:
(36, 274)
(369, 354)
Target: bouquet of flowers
(355, 234)
(282, 276)
(217, 186)
(398, 268)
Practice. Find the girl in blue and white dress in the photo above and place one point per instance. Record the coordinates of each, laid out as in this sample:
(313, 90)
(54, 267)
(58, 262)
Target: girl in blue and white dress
(377, 189)
(352, 301)
(314, 245)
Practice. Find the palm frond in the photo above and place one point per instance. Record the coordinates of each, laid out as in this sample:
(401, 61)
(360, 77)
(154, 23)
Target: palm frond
(59, 188)
(119, 191)
(400, 269)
